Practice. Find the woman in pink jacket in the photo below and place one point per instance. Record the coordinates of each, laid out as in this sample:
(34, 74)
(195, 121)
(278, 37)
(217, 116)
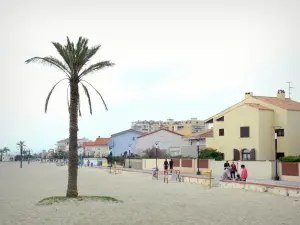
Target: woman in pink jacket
(244, 174)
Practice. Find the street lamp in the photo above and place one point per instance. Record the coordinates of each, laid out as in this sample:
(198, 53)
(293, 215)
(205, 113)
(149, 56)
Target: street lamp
(29, 155)
(129, 148)
(198, 152)
(156, 147)
(276, 164)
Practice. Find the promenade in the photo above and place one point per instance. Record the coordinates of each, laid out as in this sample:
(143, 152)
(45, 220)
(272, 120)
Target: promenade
(145, 201)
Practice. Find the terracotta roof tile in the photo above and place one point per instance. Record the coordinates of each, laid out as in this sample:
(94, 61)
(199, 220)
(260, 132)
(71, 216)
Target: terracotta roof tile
(90, 143)
(99, 141)
(102, 141)
(258, 106)
(286, 103)
(205, 133)
(157, 131)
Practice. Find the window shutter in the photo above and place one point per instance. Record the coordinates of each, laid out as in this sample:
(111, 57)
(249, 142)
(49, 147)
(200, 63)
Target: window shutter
(236, 155)
(252, 154)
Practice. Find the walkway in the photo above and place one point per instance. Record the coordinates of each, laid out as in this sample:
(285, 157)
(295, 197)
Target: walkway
(262, 181)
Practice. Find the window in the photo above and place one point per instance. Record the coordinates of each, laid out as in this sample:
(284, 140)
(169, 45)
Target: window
(180, 127)
(221, 132)
(244, 132)
(221, 118)
(245, 154)
(280, 132)
(196, 129)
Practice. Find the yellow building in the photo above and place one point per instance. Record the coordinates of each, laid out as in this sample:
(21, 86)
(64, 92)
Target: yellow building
(247, 130)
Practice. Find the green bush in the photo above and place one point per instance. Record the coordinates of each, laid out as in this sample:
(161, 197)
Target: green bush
(290, 159)
(210, 153)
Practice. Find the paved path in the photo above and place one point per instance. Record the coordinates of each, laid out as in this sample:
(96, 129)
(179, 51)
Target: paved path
(263, 181)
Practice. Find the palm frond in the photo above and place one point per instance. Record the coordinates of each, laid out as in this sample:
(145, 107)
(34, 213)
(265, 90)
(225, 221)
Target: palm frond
(95, 67)
(86, 91)
(49, 95)
(90, 52)
(50, 61)
(64, 54)
(68, 101)
(97, 93)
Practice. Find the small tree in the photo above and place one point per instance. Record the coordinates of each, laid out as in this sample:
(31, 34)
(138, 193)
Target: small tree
(151, 153)
(210, 153)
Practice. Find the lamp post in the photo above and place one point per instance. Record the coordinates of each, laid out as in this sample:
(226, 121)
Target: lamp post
(29, 155)
(276, 164)
(198, 152)
(156, 147)
(129, 148)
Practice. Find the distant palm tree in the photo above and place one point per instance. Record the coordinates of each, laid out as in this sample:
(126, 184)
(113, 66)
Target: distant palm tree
(6, 150)
(1, 154)
(21, 145)
(75, 57)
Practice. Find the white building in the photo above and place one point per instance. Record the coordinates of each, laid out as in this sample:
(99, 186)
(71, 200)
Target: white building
(168, 140)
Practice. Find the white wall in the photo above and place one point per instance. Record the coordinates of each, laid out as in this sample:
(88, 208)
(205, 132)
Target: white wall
(166, 140)
(256, 169)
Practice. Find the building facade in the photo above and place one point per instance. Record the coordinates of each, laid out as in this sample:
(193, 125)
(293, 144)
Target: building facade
(124, 141)
(63, 145)
(168, 140)
(98, 148)
(184, 127)
(247, 130)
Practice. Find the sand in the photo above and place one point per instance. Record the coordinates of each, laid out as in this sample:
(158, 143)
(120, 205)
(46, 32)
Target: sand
(145, 201)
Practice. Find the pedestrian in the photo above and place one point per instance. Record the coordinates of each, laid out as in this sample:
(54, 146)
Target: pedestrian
(244, 174)
(225, 175)
(233, 170)
(226, 165)
(88, 162)
(166, 164)
(171, 165)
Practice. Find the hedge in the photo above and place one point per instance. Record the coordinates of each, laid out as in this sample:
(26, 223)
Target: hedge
(290, 159)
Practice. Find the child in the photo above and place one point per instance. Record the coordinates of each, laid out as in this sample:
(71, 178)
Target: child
(244, 174)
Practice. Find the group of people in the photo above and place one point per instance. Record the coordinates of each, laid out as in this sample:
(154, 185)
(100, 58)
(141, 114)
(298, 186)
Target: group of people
(168, 164)
(231, 172)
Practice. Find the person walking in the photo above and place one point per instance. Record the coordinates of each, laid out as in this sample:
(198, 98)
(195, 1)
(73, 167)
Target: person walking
(171, 165)
(226, 165)
(166, 164)
(244, 174)
(233, 170)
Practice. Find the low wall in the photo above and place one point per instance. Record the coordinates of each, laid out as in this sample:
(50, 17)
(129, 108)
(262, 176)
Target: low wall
(260, 187)
(290, 171)
(256, 169)
(184, 165)
(134, 163)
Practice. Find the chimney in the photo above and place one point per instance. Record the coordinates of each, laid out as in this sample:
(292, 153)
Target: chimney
(98, 136)
(248, 94)
(281, 94)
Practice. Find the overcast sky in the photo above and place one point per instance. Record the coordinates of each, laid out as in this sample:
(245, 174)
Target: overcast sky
(173, 60)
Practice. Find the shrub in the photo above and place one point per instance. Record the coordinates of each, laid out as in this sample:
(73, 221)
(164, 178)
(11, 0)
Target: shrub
(290, 159)
(210, 153)
(151, 153)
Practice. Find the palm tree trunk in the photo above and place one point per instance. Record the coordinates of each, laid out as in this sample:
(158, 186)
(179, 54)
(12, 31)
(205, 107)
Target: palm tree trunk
(73, 156)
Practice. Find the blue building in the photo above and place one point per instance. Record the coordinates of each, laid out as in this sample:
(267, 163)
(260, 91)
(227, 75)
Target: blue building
(124, 141)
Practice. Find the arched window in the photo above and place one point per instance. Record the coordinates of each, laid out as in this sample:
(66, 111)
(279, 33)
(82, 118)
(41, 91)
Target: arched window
(246, 154)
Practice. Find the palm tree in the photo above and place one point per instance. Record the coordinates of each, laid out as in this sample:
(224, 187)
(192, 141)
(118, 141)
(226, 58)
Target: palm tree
(1, 154)
(75, 67)
(6, 150)
(21, 144)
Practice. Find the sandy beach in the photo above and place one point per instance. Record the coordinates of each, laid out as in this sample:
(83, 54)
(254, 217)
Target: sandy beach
(145, 201)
